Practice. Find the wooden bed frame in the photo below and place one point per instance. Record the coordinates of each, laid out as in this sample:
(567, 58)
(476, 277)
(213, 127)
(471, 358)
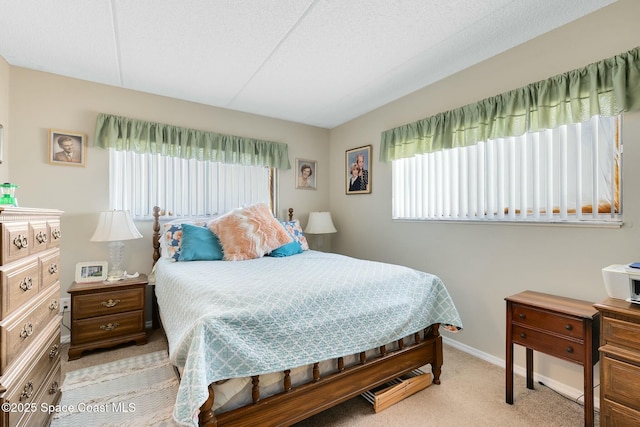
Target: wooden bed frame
(294, 404)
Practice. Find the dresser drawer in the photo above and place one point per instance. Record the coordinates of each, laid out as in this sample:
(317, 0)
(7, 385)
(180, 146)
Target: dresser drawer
(15, 241)
(549, 321)
(20, 283)
(623, 382)
(48, 395)
(104, 328)
(614, 415)
(55, 235)
(49, 268)
(25, 387)
(22, 328)
(39, 236)
(105, 303)
(550, 344)
(626, 334)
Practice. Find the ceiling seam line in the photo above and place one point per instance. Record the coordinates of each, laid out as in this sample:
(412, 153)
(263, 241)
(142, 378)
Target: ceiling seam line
(116, 40)
(273, 51)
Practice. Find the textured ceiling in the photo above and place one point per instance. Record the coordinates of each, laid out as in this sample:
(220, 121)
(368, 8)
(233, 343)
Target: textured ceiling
(319, 62)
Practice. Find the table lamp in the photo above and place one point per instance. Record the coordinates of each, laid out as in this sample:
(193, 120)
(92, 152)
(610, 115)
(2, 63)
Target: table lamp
(320, 223)
(115, 227)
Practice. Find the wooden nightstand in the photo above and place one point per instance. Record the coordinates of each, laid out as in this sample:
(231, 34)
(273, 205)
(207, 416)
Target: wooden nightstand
(105, 314)
(557, 326)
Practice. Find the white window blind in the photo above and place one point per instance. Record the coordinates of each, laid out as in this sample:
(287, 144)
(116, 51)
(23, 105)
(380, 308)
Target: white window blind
(568, 174)
(183, 187)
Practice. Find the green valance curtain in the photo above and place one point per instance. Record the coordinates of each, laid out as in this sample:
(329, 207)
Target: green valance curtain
(125, 134)
(607, 88)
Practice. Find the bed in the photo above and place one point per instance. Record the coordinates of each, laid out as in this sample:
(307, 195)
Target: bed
(276, 339)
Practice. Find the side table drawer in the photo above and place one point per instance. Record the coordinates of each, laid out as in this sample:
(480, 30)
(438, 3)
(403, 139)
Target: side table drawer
(104, 328)
(549, 344)
(551, 322)
(106, 303)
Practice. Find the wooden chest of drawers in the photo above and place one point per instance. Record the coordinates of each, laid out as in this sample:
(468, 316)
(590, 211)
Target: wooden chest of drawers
(29, 314)
(105, 314)
(620, 363)
(562, 327)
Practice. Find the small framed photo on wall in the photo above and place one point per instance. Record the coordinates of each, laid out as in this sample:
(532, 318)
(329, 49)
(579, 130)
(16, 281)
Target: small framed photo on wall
(306, 174)
(358, 170)
(67, 148)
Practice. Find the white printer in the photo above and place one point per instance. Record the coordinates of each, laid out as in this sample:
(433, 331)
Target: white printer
(622, 282)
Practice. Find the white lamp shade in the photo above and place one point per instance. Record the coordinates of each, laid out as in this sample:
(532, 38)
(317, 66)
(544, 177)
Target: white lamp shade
(320, 223)
(115, 226)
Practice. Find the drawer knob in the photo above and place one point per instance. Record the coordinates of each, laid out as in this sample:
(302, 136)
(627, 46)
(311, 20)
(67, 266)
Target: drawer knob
(54, 305)
(568, 327)
(55, 233)
(522, 316)
(26, 284)
(54, 351)
(26, 330)
(54, 387)
(523, 335)
(53, 268)
(569, 349)
(109, 326)
(41, 237)
(111, 303)
(27, 391)
(21, 242)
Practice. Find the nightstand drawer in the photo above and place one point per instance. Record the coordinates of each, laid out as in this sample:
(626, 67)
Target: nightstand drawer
(620, 332)
(104, 328)
(105, 303)
(549, 344)
(549, 321)
(623, 385)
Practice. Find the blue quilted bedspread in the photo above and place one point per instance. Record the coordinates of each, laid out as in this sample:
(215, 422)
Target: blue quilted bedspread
(226, 319)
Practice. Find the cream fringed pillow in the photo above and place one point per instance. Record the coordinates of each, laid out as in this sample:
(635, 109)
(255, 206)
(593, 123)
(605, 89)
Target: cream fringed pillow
(248, 233)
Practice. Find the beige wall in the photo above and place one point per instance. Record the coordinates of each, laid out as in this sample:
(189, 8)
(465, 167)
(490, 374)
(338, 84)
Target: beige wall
(481, 264)
(40, 101)
(5, 70)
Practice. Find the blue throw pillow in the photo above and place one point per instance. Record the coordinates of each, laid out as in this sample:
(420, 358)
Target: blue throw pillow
(287, 249)
(199, 244)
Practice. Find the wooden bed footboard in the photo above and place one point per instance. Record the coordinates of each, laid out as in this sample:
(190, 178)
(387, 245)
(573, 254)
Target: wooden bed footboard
(295, 404)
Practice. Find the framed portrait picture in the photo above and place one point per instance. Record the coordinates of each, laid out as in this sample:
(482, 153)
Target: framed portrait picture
(306, 174)
(67, 148)
(92, 271)
(358, 170)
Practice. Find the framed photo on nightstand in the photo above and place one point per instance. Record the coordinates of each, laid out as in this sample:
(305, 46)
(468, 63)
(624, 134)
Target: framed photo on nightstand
(91, 271)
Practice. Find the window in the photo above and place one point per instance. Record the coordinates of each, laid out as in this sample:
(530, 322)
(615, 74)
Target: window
(568, 174)
(184, 187)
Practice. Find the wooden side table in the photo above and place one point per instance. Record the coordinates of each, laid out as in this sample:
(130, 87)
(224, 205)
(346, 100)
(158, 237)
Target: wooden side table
(562, 327)
(104, 314)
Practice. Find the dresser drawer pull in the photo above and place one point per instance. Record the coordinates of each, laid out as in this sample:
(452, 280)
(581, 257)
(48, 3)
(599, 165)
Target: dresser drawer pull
(54, 351)
(54, 305)
(27, 392)
(26, 284)
(41, 237)
(54, 387)
(21, 242)
(26, 330)
(111, 303)
(55, 233)
(522, 316)
(109, 326)
(53, 268)
(523, 335)
(569, 349)
(568, 327)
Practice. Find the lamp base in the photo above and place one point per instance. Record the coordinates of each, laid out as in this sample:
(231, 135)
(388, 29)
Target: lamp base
(116, 251)
(115, 275)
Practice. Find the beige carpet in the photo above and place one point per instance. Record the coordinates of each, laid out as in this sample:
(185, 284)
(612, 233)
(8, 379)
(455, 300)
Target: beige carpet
(471, 394)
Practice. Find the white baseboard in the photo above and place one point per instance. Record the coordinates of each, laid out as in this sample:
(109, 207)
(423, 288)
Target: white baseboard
(561, 388)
